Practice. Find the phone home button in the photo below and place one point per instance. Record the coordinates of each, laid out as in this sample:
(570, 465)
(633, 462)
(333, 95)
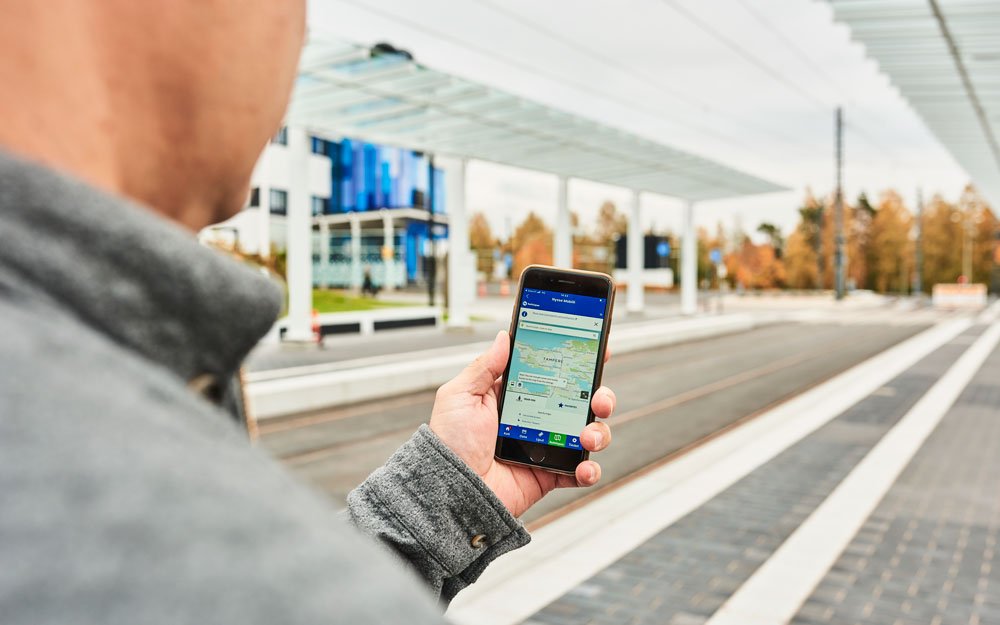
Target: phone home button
(536, 455)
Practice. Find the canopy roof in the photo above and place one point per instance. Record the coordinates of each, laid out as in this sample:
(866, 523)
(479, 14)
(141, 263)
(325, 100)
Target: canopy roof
(944, 56)
(346, 90)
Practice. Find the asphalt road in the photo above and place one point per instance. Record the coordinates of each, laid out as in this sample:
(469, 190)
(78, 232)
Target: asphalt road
(668, 400)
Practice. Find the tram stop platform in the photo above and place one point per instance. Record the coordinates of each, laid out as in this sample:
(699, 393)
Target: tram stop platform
(873, 498)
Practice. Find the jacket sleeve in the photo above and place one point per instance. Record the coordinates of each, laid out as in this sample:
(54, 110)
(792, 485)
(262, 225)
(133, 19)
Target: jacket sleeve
(436, 513)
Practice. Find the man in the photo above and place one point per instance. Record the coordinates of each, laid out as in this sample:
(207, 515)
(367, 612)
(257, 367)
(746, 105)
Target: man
(128, 495)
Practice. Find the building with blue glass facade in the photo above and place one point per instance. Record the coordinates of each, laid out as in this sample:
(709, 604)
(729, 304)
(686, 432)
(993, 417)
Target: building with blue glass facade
(370, 211)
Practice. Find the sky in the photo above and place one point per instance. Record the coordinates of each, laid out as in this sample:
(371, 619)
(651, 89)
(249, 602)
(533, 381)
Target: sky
(752, 84)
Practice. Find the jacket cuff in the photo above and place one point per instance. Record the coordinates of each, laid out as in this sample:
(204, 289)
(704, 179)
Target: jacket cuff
(447, 522)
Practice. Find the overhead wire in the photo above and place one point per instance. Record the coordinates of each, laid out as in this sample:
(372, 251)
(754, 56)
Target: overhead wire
(642, 77)
(817, 69)
(740, 51)
(535, 69)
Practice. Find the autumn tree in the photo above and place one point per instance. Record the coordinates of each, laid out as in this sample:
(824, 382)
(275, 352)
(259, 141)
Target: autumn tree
(800, 257)
(800, 261)
(892, 251)
(982, 226)
(941, 227)
(858, 242)
(531, 243)
(755, 266)
(610, 223)
(774, 237)
(482, 242)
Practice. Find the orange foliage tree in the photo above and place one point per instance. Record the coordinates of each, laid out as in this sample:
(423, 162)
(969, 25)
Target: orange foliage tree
(755, 266)
(531, 243)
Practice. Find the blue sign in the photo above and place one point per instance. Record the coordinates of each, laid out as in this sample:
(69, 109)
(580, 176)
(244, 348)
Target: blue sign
(663, 248)
(566, 303)
(716, 256)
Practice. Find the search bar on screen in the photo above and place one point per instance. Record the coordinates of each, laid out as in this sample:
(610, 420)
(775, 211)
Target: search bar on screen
(579, 322)
(541, 327)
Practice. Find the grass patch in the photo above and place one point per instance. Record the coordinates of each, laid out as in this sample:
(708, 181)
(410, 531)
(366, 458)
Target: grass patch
(326, 301)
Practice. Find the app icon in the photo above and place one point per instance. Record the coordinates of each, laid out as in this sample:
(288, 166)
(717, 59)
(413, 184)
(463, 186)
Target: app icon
(524, 313)
(559, 440)
(584, 394)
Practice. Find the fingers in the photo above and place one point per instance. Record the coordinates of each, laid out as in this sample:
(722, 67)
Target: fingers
(588, 473)
(607, 354)
(603, 402)
(478, 378)
(596, 436)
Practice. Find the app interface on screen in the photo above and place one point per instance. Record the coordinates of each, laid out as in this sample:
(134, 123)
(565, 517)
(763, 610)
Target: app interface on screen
(552, 368)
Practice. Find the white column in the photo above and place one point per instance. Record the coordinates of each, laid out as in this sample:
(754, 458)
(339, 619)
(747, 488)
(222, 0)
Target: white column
(324, 253)
(461, 289)
(689, 263)
(636, 296)
(562, 246)
(264, 206)
(388, 250)
(356, 272)
(299, 238)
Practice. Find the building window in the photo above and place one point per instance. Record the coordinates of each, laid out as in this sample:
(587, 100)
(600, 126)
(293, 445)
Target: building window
(254, 198)
(318, 146)
(282, 137)
(279, 202)
(318, 205)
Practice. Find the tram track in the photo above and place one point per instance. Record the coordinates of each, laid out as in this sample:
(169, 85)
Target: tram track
(711, 387)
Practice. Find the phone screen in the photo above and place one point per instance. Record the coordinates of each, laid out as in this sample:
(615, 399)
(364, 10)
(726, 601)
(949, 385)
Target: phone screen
(553, 367)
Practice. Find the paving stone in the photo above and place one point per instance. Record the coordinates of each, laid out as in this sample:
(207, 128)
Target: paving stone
(731, 535)
(940, 524)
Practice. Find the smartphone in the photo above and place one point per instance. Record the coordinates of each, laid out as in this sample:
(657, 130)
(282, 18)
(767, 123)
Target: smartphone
(559, 333)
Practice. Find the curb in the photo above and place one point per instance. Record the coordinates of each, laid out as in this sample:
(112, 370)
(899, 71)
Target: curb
(282, 397)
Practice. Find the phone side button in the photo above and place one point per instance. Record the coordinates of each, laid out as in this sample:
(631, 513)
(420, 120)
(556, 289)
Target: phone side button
(537, 454)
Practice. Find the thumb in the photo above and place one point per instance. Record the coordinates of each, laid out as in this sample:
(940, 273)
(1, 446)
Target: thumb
(478, 377)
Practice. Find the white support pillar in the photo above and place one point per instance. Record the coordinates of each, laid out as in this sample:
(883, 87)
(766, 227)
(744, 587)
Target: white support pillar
(689, 263)
(356, 270)
(636, 295)
(324, 253)
(299, 237)
(264, 206)
(388, 251)
(562, 245)
(461, 263)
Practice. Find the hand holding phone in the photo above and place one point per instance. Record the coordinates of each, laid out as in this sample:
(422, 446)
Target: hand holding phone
(559, 332)
(465, 418)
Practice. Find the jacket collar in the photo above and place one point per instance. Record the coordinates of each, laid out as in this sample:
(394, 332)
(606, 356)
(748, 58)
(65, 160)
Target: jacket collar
(130, 274)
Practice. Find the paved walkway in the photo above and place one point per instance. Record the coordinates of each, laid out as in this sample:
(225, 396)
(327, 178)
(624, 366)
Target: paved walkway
(819, 532)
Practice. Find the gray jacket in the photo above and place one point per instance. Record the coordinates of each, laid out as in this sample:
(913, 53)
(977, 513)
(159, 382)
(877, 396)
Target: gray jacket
(128, 497)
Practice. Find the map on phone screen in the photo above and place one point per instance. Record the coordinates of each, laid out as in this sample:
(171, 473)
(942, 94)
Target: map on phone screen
(552, 367)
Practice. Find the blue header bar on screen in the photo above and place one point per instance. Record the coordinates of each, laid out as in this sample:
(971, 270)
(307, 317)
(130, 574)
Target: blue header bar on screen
(567, 303)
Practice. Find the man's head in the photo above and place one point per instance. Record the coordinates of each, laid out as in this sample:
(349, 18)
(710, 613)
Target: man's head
(168, 102)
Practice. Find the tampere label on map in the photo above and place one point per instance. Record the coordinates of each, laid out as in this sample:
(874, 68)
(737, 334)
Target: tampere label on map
(551, 376)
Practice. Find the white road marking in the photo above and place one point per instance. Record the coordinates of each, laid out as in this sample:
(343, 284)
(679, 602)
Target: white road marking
(774, 594)
(573, 548)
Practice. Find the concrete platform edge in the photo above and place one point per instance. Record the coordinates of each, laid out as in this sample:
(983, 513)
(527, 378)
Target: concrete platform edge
(286, 396)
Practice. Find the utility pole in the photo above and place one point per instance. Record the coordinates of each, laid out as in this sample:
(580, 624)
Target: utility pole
(967, 239)
(968, 236)
(918, 274)
(838, 208)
